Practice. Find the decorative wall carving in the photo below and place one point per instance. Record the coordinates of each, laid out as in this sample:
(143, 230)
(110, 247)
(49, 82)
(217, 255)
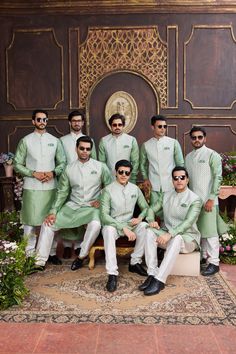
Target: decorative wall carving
(34, 68)
(207, 77)
(136, 49)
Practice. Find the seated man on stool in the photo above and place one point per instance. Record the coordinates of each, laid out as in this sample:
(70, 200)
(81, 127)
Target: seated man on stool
(181, 208)
(117, 207)
(76, 203)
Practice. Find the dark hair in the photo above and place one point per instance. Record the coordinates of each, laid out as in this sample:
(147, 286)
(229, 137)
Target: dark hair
(76, 113)
(157, 117)
(123, 163)
(179, 168)
(116, 116)
(197, 129)
(39, 111)
(85, 139)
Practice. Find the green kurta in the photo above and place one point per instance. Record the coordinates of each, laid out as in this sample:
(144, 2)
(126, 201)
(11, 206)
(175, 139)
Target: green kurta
(205, 175)
(113, 149)
(38, 152)
(181, 211)
(79, 185)
(118, 203)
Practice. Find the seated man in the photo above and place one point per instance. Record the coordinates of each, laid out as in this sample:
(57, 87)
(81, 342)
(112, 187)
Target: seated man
(76, 202)
(181, 208)
(117, 207)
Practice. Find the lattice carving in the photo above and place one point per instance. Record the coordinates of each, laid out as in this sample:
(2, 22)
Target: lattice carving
(136, 49)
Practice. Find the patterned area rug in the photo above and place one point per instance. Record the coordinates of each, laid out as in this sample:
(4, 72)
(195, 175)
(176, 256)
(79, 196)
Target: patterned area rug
(62, 296)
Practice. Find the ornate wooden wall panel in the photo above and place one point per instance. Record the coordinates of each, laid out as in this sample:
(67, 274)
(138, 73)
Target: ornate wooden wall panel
(31, 79)
(179, 61)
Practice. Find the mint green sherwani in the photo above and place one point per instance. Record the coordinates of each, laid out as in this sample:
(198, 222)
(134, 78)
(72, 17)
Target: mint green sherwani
(158, 157)
(181, 211)
(69, 145)
(118, 203)
(205, 174)
(38, 152)
(79, 185)
(113, 149)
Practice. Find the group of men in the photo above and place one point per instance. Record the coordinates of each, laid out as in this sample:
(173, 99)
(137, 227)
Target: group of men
(67, 188)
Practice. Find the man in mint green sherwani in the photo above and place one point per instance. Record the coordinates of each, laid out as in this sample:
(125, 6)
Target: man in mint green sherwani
(76, 203)
(39, 159)
(158, 156)
(117, 208)
(76, 121)
(119, 145)
(205, 171)
(181, 208)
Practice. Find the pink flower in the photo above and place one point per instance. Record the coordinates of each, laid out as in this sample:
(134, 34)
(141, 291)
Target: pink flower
(228, 248)
(221, 249)
(234, 247)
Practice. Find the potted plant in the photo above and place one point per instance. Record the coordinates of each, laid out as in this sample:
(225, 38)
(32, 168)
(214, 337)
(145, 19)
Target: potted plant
(7, 160)
(229, 168)
(228, 245)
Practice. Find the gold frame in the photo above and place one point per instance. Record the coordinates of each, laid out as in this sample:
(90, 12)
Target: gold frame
(185, 63)
(62, 65)
(176, 67)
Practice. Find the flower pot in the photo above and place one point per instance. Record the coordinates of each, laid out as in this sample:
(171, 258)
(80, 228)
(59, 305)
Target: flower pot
(8, 170)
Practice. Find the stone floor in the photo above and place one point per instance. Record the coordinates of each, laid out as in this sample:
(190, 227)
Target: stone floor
(90, 338)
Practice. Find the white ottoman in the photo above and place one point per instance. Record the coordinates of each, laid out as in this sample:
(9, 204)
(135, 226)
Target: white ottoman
(187, 264)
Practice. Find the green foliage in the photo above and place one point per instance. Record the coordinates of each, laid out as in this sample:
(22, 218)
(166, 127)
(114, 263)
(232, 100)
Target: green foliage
(228, 244)
(14, 265)
(10, 226)
(229, 168)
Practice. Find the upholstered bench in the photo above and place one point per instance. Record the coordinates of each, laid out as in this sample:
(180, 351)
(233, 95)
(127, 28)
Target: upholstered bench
(187, 264)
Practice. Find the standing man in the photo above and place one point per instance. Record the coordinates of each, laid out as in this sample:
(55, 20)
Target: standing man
(181, 208)
(205, 171)
(39, 159)
(76, 203)
(76, 121)
(159, 155)
(119, 145)
(117, 208)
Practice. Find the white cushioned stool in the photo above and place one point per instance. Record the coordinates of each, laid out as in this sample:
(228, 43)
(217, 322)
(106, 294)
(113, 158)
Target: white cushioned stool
(187, 264)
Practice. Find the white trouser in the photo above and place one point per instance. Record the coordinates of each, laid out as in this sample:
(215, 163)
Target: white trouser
(110, 235)
(30, 234)
(46, 237)
(174, 246)
(210, 249)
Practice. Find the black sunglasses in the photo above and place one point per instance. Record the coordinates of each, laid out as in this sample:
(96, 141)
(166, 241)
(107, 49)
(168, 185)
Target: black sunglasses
(162, 126)
(181, 178)
(195, 137)
(42, 120)
(122, 172)
(81, 148)
(115, 125)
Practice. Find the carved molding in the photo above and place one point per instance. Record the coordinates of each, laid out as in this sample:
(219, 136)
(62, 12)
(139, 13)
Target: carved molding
(136, 49)
(197, 27)
(176, 58)
(117, 6)
(36, 32)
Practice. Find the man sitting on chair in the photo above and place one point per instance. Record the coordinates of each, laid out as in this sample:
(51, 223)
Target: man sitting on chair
(76, 203)
(181, 208)
(117, 207)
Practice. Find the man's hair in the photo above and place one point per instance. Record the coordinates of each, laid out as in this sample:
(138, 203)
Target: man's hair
(197, 129)
(179, 168)
(84, 139)
(123, 163)
(157, 117)
(76, 113)
(116, 116)
(39, 111)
